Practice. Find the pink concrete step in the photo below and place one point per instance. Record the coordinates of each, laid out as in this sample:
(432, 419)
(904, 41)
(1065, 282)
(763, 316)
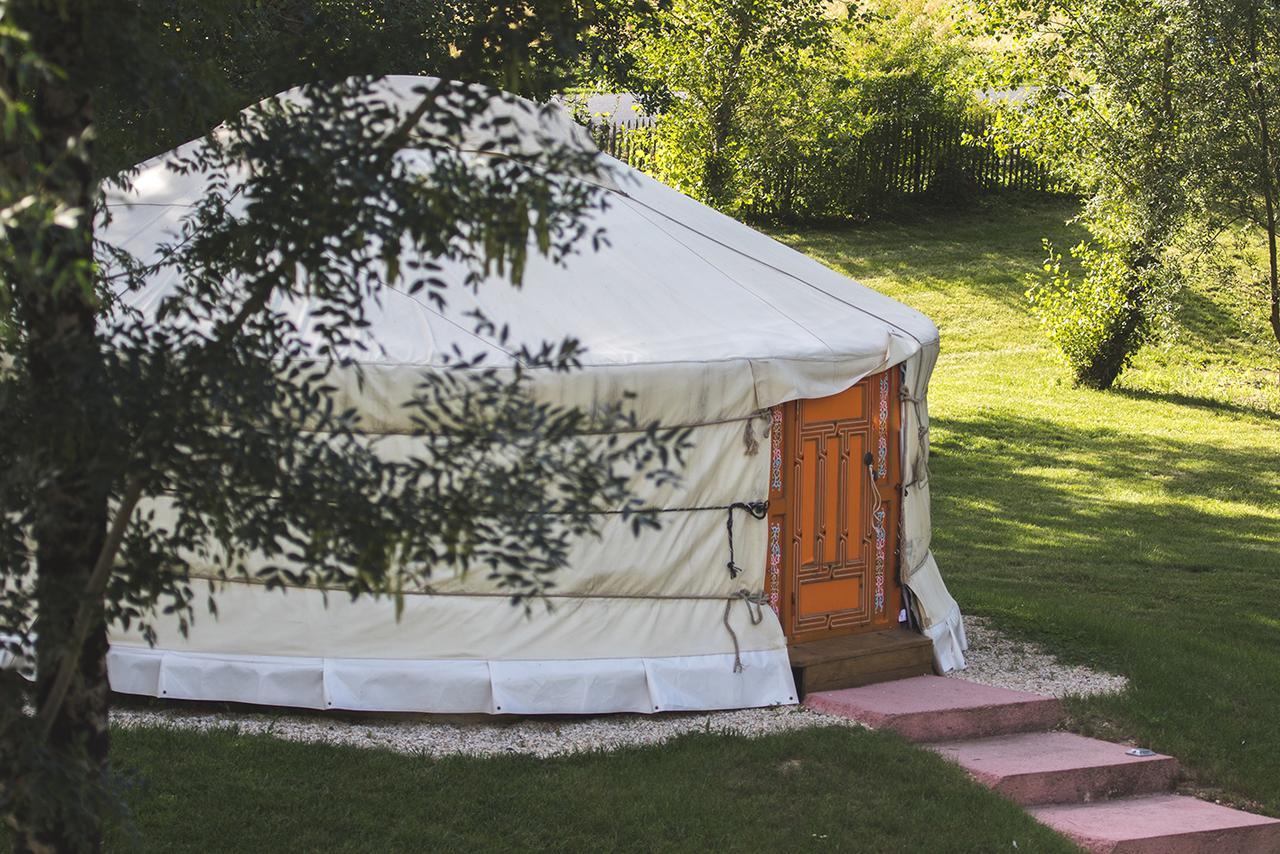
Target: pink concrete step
(1057, 767)
(1162, 824)
(937, 708)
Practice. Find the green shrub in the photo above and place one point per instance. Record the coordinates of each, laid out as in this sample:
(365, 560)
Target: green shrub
(1100, 318)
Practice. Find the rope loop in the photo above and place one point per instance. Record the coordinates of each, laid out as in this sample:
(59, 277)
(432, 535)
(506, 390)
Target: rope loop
(758, 510)
(755, 614)
(750, 441)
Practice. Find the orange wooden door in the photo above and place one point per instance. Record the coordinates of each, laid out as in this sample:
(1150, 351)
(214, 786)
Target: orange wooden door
(832, 546)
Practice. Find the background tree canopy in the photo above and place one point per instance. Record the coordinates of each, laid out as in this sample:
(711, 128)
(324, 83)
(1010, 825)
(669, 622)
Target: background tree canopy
(788, 110)
(1160, 115)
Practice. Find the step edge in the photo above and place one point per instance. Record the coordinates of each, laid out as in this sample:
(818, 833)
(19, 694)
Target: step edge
(1091, 842)
(1129, 762)
(1262, 821)
(1109, 789)
(977, 710)
(1146, 762)
(1087, 839)
(921, 654)
(817, 675)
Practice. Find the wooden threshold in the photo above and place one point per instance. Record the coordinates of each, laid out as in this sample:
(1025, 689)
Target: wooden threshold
(861, 659)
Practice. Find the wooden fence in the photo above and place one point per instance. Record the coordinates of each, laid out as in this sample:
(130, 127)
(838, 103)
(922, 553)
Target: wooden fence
(623, 141)
(892, 162)
(910, 158)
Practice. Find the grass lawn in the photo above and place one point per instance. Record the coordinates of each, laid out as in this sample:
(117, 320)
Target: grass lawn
(824, 789)
(1137, 529)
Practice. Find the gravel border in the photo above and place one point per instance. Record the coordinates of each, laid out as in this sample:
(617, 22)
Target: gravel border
(996, 659)
(539, 737)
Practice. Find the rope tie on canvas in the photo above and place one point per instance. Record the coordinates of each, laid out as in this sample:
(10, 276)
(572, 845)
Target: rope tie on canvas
(497, 594)
(756, 614)
(750, 441)
(920, 479)
(758, 510)
(692, 508)
(922, 457)
(755, 601)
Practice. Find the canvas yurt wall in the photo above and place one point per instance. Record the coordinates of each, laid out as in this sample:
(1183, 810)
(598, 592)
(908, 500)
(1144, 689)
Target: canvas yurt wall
(710, 324)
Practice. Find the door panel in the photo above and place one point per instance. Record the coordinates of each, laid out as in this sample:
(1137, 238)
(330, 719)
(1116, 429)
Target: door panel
(826, 597)
(806, 531)
(853, 518)
(850, 404)
(830, 487)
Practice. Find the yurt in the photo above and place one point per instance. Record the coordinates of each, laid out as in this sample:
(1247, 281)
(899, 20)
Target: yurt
(805, 393)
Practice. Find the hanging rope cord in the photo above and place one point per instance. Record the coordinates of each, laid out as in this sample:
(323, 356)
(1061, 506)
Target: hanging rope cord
(877, 504)
(758, 510)
(919, 473)
(755, 611)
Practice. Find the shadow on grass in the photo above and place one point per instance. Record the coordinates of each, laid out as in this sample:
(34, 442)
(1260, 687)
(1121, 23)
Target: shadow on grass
(948, 255)
(1192, 401)
(1012, 487)
(1209, 320)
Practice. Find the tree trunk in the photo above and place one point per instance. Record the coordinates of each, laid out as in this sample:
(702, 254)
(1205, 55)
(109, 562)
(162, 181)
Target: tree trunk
(1123, 337)
(57, 805)
(1269, 199)
(717, 170)
(1117, 348)
(1275, 272)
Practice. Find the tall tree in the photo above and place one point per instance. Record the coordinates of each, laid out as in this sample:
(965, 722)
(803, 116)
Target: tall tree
(218, 405)
(1230, 50)
(1163, 113)
(1101, 77)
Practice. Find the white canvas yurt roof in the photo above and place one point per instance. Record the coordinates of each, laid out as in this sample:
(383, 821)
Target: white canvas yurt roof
(707, 322)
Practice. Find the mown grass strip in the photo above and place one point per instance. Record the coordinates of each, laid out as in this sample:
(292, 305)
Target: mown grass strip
(821, 789)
